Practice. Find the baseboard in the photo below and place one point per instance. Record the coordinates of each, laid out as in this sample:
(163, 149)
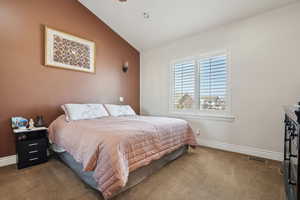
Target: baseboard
(262, 153)
(9, 160)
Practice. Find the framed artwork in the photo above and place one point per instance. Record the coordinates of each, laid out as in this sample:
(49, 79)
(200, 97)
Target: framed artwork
(63, 50)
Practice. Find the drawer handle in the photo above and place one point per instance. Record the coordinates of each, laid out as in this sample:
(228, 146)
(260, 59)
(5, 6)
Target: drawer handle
(33, 159)
(33, 152)
(33, 144)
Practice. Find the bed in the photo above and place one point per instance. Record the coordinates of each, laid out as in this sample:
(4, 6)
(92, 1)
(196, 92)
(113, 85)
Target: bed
(112, 154)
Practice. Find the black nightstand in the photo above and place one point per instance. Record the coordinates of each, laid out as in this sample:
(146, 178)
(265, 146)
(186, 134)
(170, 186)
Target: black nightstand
(31, 146)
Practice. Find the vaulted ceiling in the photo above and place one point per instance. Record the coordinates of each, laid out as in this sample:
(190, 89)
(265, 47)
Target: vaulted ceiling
(168, 20)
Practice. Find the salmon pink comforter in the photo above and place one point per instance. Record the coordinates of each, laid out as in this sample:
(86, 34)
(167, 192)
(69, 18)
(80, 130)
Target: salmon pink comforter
(114, 146)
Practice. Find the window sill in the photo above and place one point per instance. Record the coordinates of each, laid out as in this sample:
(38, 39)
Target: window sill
(204, 116)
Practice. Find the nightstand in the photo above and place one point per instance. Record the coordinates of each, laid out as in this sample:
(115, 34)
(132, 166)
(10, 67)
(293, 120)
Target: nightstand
(31, 146)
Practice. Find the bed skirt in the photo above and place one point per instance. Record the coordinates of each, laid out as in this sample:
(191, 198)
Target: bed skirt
(134, 178)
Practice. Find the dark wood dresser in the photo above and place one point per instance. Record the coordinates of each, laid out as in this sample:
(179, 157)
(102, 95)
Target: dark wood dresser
(31, 146)
(292, 152)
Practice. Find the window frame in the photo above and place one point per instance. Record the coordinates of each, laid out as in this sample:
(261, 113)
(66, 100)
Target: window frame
(195, 112)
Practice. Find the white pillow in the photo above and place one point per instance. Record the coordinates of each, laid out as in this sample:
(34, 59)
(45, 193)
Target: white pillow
(119, 110)
(84, 111)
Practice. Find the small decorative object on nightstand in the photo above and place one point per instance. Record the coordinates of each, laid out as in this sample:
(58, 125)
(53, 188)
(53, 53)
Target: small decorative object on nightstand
(31, 124)
(39, 121)
(31, 146)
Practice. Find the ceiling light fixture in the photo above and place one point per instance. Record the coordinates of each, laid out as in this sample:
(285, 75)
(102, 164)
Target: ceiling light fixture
(122, 1)
(146, 15)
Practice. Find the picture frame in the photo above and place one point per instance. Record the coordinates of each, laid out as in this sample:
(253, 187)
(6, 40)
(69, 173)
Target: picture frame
(67, 51)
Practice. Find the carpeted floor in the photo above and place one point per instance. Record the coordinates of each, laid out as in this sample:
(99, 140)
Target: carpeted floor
(205, 174)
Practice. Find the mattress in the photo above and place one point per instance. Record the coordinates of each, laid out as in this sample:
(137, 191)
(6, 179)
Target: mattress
(134, 178)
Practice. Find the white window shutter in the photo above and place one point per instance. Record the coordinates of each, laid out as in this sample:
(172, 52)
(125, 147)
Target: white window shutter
(183, 85)
(213, 83)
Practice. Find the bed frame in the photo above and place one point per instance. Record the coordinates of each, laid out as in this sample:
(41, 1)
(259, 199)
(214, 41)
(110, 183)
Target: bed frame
(134, 178)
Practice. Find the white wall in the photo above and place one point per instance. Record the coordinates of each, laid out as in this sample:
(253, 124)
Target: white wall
(265, 73)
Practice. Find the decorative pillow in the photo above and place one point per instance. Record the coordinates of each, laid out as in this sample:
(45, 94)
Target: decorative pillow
(119, 110)
(84, 111)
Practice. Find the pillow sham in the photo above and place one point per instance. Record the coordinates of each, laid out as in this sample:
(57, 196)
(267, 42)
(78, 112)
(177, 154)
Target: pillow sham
(119, 110)
(84, 111)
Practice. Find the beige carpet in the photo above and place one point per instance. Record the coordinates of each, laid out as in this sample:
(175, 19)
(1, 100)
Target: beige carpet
(205, 174)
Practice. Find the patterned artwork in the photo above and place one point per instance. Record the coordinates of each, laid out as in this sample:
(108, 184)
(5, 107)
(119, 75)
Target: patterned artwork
(71, 53)
(67, 51)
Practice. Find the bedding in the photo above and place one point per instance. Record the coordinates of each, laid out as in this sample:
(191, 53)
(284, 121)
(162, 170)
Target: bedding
(113, 147)
(119, 110)
(84, 111)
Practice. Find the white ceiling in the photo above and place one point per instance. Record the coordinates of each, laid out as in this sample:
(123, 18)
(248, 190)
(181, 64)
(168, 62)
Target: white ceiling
(172, 19)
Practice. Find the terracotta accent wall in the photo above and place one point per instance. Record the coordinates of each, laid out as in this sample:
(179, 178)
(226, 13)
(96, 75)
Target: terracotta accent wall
(27, 88)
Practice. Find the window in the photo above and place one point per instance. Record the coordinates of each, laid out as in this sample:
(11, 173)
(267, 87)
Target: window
(200, 84)
(184, 85)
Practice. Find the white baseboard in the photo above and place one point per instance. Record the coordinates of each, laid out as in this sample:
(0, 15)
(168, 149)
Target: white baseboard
(9, 160)
(262, 153)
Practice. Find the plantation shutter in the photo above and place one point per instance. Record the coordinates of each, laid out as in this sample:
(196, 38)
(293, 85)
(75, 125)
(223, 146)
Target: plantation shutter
(184, 85)
(213, 82)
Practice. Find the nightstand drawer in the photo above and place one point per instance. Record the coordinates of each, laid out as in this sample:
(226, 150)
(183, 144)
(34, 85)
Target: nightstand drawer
(27, 155)
(32, 145)
(32, 160)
